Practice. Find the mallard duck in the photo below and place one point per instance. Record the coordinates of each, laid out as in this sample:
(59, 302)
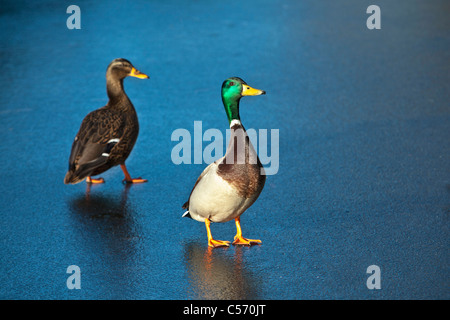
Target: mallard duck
(107, 135)
(230, 185)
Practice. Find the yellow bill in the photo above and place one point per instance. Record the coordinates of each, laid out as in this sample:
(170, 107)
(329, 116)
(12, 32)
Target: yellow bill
(249, 91)
(137, 74)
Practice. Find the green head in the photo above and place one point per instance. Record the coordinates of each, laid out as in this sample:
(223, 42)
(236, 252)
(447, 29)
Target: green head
(233, 89)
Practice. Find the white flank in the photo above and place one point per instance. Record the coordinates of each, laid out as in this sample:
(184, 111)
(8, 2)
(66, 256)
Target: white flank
(215, 199)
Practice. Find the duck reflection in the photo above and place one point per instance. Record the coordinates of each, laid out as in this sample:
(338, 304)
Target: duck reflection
(214, 274)
(97, 205)
(109, 237)
(111, 213)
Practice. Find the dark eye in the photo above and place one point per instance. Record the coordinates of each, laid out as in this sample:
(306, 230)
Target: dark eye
(231, 83)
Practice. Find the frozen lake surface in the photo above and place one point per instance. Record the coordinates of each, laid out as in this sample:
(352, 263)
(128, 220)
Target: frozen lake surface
(364, 156)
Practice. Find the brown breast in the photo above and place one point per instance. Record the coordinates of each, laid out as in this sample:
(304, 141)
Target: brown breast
(241, 167)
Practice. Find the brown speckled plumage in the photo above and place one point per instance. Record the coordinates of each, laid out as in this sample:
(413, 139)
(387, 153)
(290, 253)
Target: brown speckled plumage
(106, 135)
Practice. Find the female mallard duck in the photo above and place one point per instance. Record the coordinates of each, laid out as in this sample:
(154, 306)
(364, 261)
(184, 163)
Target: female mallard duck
(230, 185)
(107, 135)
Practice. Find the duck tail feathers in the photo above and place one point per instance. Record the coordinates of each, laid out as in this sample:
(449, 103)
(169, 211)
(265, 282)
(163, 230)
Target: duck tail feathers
(186, 215)
(72, 178)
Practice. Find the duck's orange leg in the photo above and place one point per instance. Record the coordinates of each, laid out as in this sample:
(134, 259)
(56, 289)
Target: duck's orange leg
(239, 239)
(94, 181)
(211, 242)
(128, 178)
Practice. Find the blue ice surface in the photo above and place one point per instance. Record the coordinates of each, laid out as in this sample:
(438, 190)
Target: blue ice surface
(363, 118)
